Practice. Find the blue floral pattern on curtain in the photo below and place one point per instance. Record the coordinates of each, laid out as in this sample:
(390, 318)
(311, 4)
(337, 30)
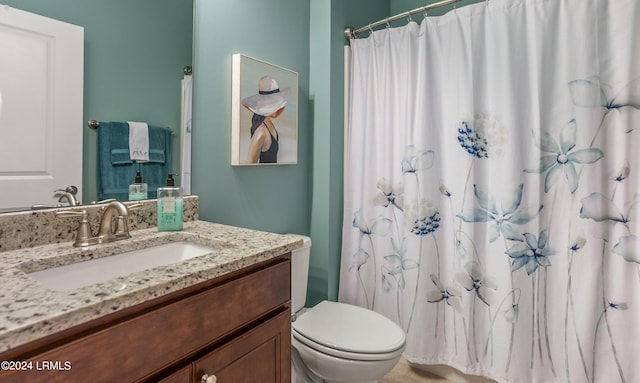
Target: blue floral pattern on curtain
(505, 244)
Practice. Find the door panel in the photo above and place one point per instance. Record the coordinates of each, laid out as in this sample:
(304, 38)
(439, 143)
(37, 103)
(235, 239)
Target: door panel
(261, 355)
(41, 90)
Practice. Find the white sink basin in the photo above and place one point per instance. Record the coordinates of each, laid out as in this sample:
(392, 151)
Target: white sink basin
(76, 275)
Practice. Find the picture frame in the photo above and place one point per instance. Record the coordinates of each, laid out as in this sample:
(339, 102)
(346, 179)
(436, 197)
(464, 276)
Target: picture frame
(264, 113)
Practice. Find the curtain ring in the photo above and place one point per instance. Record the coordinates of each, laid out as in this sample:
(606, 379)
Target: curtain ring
(388, 25)
(410, 19)
(370, 30)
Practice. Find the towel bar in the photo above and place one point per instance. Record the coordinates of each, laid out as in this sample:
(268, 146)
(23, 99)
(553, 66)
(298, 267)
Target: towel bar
(95, 124)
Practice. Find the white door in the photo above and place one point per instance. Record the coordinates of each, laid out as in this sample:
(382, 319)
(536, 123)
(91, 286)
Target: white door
(41, 85)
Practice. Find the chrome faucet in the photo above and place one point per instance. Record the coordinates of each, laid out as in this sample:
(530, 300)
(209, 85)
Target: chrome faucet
(67, 198)
(113, 228)
(68, 195)
(113, 224)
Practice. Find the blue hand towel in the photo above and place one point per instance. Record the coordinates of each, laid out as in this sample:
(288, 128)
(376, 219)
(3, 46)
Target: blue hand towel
(116, 170)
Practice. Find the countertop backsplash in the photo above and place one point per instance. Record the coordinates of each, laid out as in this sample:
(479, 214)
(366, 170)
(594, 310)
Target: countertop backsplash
(25, 229)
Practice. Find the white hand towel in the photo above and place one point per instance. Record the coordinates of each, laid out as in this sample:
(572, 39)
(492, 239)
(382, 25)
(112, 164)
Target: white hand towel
(139, 141)
(185, 170)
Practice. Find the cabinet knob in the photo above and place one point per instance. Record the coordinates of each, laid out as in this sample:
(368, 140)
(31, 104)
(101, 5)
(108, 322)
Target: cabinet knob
(208, 379)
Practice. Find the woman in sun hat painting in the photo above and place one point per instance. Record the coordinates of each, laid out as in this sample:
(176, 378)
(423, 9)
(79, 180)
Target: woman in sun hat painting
(269, 103)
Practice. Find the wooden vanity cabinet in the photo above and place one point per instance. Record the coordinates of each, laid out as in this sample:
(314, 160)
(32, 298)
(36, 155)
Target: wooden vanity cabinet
(236, 327)
(256, 356)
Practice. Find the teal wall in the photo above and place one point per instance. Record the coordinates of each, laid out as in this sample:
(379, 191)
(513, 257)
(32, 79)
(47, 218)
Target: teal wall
(323, 174)
(134, 55)
(328, 21)
(276, 197)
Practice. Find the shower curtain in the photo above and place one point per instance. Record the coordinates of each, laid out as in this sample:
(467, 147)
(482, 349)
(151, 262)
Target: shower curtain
(491, 194)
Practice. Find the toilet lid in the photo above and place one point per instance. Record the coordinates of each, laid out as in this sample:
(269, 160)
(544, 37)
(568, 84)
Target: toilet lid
(350, 328)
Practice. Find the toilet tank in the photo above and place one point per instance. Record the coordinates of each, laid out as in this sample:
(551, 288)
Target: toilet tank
(300, 274)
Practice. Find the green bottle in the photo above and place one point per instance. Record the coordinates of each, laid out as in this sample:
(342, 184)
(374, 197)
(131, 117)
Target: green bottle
(170, 206)
(138, 189)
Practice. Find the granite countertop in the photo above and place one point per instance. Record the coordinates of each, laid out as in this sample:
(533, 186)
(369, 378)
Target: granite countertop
(29, 311)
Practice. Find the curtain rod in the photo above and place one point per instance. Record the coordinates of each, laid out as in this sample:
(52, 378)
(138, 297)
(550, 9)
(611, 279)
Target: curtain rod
(349, 33)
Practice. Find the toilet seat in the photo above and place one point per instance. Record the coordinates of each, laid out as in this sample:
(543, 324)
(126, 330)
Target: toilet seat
(349, 332)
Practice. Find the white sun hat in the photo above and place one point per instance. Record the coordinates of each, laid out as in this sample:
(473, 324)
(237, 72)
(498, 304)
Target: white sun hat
(269, 99)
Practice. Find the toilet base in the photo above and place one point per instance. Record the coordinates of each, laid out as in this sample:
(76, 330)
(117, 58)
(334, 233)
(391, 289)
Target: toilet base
(301, 374)
(310, 366)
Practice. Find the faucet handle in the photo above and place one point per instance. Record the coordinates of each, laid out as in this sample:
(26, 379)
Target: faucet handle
(84, 237)
(69, 189)
(104, 201)
(134, 206)
(122, 226)
(71, 213)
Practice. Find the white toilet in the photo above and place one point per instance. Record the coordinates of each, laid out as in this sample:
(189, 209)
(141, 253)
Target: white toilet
(338, 342)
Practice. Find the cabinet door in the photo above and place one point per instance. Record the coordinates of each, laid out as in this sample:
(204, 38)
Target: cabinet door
(262, 354)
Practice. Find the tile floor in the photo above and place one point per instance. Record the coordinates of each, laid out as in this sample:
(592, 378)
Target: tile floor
(403, 373)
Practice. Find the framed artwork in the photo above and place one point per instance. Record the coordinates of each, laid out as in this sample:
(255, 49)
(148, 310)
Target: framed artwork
(265, 113)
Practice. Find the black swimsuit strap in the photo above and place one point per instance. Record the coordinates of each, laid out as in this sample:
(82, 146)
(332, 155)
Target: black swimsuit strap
(271, 155)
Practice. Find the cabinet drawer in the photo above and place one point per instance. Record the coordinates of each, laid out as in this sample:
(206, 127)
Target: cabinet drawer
(183, 375)
(260, 355)
(144, 345)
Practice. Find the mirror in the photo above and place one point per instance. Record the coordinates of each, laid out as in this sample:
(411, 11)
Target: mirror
(134, 56)
(41, 81)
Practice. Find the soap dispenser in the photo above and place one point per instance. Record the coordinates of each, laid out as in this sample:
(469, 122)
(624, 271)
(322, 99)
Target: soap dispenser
(138, 189)
(170, 206)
